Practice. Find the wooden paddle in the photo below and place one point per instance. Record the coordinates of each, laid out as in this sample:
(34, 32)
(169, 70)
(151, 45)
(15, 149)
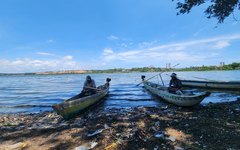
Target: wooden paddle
(93, 88)
(107, 80)
(156, 75)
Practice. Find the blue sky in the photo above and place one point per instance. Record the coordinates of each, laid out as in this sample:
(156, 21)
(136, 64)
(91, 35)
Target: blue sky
(45, 35)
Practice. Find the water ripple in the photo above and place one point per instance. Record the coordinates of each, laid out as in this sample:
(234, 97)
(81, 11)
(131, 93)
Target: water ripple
(38, 93)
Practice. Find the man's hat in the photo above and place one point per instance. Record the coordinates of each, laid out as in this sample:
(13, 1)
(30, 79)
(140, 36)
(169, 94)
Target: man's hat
(88, 77)
(173, 75)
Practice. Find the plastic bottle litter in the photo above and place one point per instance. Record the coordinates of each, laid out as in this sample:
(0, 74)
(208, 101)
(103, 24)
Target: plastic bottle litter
(95, 133)
(87, 146)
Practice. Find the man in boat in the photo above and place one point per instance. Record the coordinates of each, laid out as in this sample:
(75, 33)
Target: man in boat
(89, 86)
(175, 85)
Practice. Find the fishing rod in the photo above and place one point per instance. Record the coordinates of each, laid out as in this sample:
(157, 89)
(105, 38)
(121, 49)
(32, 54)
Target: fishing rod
(156, 75)
(193, 77)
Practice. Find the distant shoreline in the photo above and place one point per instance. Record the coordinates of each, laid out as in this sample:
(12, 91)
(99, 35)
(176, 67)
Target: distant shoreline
(100, 72)
(233, 66)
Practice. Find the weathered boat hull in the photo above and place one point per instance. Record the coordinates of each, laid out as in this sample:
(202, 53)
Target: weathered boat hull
(179, 100)
(74, 105)
(231, 85)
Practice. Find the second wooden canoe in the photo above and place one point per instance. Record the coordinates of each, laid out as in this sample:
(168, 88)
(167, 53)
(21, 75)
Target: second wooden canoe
(179, 100)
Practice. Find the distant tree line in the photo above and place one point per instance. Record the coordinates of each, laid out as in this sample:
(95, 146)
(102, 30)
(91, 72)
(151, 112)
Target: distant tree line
(122, 70)
(4, 74)
(232, 66)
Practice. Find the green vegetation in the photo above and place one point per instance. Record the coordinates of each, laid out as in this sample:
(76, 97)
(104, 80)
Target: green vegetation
(122, 70)
(233, 66)
(219, 9)
(17, 74)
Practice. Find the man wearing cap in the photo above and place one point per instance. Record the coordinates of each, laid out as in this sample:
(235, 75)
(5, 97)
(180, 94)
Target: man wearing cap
(175, 84)
(89, 87)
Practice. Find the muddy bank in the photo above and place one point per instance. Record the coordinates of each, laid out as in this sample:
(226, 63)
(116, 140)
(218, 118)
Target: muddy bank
(215, 126)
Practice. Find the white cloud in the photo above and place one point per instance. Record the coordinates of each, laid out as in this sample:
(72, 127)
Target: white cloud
(18, 62)
(183, 56)
(147, 44)
(195, 43)
(108, 51)
(112, 37)
(187, 51)
(221, 44)
(108, 54)
(45, 54)
(50, 41)
(68, 57)
(124, 45)
(130, 55)
(35, 65)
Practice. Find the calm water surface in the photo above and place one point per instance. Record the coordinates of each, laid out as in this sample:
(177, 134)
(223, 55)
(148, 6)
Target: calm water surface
(38, 93)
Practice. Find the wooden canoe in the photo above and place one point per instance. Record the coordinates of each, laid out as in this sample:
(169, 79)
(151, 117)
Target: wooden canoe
(74, 105)
(179, 100)
(225, 85)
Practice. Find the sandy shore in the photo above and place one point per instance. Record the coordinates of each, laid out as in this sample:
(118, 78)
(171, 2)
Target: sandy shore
(215, 126)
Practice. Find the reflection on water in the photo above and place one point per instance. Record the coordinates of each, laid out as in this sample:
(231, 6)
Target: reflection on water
(38, 93)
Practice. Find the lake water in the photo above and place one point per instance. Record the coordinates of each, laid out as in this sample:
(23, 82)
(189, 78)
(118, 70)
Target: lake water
(38, 92)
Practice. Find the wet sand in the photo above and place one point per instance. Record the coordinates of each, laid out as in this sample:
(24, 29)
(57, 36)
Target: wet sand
(215, 126)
